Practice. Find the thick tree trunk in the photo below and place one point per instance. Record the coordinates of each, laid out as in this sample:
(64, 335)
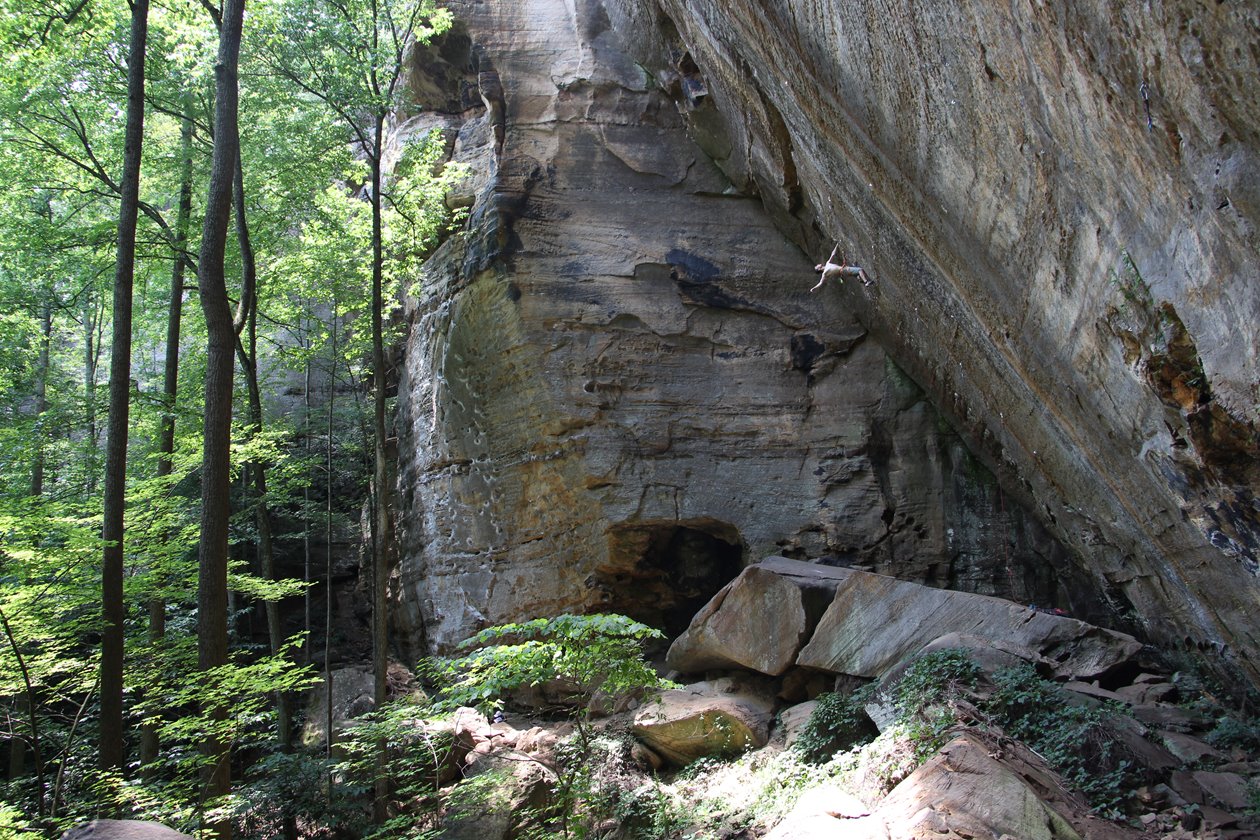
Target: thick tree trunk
(216, 478)
(112, 752)
(170, 391)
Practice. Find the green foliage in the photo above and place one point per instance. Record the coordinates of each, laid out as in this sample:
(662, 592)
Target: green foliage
(923, 694)
(1073, 739)
(648, 812)
(294, 788)
(838, 722)
(14, 826)
(1132, 285)
(584, 653)
(1236, 731)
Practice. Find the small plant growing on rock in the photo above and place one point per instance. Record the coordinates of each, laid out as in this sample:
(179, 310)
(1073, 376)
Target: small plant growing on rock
(838, 722)
(1074, 740)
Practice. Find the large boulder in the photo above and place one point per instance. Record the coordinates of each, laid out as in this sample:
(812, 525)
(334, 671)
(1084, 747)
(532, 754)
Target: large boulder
(970, 789)
(876, 621)
(969, 792)
(123, 830)
(785, 597)
(352, 697)
(705, 719)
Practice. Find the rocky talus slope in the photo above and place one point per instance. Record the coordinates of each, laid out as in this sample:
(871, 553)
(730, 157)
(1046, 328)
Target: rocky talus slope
(1128, 748)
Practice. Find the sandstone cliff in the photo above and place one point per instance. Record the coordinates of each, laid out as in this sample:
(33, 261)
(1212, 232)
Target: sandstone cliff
(618, 389)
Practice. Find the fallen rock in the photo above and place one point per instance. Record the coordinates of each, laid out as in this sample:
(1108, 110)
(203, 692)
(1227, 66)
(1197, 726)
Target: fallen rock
(1175, 718)
(704, 719)
(876, 621)
(1148, 692)
(793, 719)
(123, 830)
(353, 696)
(498, 811)
(1132, 735)
(965, 791)
(1185, 786)
(1094, 691)
(1188, 750)
(759, 620)
(1228, 789)
(832, 801)
(823, 827)
(991, 655)
(471, 727)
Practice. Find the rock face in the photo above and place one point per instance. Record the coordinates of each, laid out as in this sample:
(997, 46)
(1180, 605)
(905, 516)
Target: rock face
(617, 388)
(1058, 207)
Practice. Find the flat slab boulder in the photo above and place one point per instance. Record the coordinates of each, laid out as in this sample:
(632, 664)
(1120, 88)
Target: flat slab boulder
(760, 620)
(704, 719)
(123, 830)
(965, 792)
(876, 621)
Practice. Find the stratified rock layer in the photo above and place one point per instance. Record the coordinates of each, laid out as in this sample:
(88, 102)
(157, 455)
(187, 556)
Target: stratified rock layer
(618, 388)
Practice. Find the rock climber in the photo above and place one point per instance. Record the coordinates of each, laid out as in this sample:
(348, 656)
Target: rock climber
(838, 270)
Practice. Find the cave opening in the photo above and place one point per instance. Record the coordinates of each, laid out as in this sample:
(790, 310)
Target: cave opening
(661, 573)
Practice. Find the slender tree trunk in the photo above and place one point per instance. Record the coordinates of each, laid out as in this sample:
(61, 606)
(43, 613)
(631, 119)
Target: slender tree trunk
(380, 545)
(306, 498)
(91, 359)
(112, 752)
(262, 514)
(17, 746)
(170, 390)
(216, 478)
(29, 707)
(328, 540)
(41, 398)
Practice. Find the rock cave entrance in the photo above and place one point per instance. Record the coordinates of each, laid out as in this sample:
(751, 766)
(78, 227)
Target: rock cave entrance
(661, 573)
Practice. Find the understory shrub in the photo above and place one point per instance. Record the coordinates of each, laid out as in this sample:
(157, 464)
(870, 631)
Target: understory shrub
(838, 722)
(1075, 740)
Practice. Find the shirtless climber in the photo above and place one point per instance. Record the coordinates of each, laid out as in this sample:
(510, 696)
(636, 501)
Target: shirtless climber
(838, 270)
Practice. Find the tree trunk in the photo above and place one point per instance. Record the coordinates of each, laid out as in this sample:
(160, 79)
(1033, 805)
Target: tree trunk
(91, 359)
(17, 746)
(170, 390)
(41, 398)
(216, 478)
(112, 752)
(306, 498)
(328, 543)
(262, 514)
(380, 545)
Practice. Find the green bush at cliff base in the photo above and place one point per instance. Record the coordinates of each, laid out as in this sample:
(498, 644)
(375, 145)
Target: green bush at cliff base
(588, 653)
(838, 722)
(1076, 741)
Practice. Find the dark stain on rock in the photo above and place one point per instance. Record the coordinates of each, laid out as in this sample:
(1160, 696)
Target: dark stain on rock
(805, 350)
